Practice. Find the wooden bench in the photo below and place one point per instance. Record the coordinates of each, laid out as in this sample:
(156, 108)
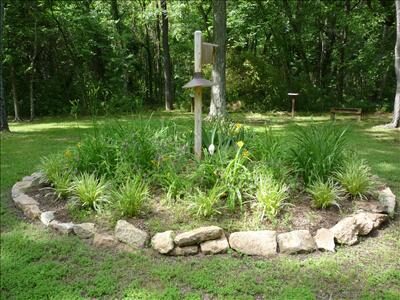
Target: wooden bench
(349, 111)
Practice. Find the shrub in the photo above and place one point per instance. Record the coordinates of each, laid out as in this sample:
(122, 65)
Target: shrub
(53, 166)
(271, 195)
(90, 191)
(324, 193)
(61, 184)
(355, 177)
(318, 151)
(204, 204)
(131, 196)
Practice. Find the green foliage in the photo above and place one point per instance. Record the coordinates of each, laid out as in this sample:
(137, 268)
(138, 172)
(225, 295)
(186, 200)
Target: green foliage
(131, 196)
(204, 204)
(324, 194)
(90, 191)
(271, 196)
(318, 151)
(355, 177)
(61, 184)
(52, 167)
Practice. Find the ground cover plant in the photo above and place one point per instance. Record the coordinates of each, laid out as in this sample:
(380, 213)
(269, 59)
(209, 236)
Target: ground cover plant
(59, 267)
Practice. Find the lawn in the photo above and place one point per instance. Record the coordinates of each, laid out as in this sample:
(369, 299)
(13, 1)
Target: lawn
(38, 264)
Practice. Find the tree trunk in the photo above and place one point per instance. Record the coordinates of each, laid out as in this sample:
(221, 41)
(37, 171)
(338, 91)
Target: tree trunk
(396, 109)
(3, 112)
(32, 77)
(218, 90)
(14, 93)
(166, 58)
(159, 81)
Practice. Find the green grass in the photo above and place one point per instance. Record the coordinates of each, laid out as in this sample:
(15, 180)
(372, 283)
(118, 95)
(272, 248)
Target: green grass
(38, 264)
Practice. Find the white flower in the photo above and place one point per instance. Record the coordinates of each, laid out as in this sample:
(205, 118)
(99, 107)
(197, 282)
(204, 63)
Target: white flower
(211, 149)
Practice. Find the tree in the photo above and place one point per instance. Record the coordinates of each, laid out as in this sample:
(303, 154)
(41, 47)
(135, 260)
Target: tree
(396, 109)
(3, 112)
(166, 58)
(218, 91)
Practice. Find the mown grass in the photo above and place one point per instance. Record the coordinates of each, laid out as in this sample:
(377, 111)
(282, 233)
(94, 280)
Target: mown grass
(38, 264)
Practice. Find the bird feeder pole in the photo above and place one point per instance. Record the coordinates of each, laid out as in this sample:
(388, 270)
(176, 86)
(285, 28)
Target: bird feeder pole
(293, 96)
(197, 96)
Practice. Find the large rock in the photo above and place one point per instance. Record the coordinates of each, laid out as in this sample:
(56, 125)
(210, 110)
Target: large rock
(366, 222)
(163, 242)
(85, 230)
(24, 200)
(46, 217)
(346, 231)
(130, 235)
(324, 239)
(369, 206)
(198, 235)
(184, 251)
(388, 200)
(104, 240)
(261, 242)
(32, 211)
(215, 246)
(296, 241)
(63, 228)
(21, 187)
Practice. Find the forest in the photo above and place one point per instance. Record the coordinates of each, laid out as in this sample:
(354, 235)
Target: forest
(119, 56)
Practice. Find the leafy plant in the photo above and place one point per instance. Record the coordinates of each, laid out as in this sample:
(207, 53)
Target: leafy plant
(355, 177)
(53, 166)
(324, 193)
(204, 203)
(318, 151)
(131, 196)
(61, 184)
(90, 191)
(271, 196)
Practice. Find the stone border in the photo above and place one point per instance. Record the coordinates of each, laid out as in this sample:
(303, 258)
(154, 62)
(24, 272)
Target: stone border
(212, 239)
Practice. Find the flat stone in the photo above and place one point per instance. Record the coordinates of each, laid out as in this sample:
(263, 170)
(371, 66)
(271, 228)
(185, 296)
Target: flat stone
(104, 240)
(261, 242)
(85, 230)
(346, 231)
(184, 251)
(63, 228)
(130, 235)
(388, 200)
(215, 246)
(23, 200)
(369, 206)
(46, 217)
(198, 235)
(366, 222)
(324, 239)
(163, 242)
(32, 211)
(296, 241)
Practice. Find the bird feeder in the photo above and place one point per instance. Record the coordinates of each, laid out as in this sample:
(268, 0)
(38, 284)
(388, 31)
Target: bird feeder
(203, 54)
(293, 96)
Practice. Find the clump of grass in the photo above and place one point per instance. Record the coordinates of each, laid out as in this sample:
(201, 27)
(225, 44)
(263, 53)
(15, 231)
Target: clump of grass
(61, 184)
(90, 191)
(355, 177)
(205, 203)
(271, 196)
(52, 167)
(131, 196)
(324, 193)
(318, 151)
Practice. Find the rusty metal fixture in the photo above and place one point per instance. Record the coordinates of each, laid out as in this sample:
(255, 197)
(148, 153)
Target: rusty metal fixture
(198, 81)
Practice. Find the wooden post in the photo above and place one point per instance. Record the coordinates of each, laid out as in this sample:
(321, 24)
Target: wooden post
(293, 103)
(197, 96)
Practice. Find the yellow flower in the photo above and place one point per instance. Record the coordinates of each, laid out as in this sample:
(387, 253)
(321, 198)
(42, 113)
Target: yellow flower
(240, 144)
(246, 153)
(78, 145)
(237, 127)
(68, 154)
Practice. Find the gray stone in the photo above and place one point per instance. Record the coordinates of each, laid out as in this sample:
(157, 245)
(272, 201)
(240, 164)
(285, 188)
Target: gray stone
(346, 231)
(215, 246)
(63, 228)
(46, 217)
(198, 235)
(296, 241)
(130, 235)
(324, 239)
(32, 211)
(23, 200)
(366, 222)
(104, 240)
(261, 242)
(163, 242)
(369, 206)
(84, 230)
(388, 200)
(184, 251)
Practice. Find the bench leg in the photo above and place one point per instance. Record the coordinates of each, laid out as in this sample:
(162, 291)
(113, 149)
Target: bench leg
(332, 116)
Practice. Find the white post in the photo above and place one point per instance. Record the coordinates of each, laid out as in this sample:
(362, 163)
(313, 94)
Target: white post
(197, 96)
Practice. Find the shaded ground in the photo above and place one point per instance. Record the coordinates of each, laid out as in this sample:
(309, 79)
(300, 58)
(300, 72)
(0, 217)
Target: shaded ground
(37, 264)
